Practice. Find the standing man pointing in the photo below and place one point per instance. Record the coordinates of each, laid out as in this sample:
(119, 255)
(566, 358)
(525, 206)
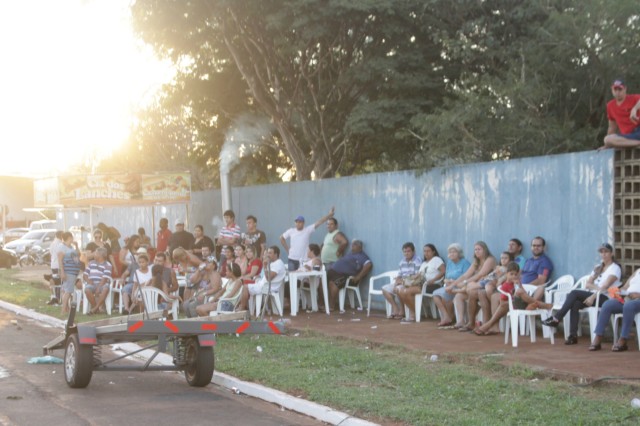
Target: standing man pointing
(299, 239)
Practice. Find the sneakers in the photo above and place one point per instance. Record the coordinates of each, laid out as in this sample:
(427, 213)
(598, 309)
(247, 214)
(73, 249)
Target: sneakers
(53, 301)
(551, 322)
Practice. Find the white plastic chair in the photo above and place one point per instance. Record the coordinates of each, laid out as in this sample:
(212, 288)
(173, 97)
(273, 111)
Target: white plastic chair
(233, 299)
(386, 277)
(150, 297)
(418, 302)
(556, 294)
(514, 315)
(108, 302)
(276, 296)
(352, 288)
(559, 290)
(615, 321)
(592, 312)
(116, 287)
(310, 285)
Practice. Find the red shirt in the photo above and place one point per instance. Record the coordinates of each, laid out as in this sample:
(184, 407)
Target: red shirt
(620, 113)
(507, 287)
(163, 239)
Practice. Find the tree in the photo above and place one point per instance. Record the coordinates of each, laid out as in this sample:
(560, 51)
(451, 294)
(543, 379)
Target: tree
(534, 77)
(337, 78)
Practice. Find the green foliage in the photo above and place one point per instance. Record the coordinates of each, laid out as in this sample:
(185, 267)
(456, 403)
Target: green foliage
(378, 85)
(534, 78)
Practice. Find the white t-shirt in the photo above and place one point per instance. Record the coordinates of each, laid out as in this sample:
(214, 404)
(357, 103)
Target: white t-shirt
(54, 249)
(634, 284)
(613, 269)
(280, 270)
(430, 269)
(298, 241)
(143, 277)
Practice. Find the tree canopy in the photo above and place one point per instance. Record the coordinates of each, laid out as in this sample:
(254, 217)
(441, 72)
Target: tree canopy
(375, 85)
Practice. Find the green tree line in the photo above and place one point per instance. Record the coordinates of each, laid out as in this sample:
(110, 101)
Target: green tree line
(359, 86)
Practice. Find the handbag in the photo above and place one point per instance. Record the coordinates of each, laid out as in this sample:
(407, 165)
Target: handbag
(413, 280)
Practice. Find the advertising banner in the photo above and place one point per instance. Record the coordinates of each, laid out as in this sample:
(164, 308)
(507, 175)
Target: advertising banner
(113, 189)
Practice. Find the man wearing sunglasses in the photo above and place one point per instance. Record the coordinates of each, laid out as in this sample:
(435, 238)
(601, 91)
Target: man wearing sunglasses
(623, 112)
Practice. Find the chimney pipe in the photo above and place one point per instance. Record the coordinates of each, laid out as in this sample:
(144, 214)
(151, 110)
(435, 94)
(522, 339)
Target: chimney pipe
(225, 191)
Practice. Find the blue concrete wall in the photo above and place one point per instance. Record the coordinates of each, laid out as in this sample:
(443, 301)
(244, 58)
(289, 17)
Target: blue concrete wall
(567, 199)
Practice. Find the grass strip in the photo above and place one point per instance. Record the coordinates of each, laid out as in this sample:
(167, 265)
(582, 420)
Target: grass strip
(390, 384)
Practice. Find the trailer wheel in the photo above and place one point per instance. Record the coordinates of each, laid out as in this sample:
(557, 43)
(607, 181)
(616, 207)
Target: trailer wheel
(199, 368)
(78, 363)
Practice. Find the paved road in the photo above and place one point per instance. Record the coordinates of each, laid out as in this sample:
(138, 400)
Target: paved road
(36, 394)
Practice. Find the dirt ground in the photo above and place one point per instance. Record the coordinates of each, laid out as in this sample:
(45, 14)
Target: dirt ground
(575, 362)
(568, 362)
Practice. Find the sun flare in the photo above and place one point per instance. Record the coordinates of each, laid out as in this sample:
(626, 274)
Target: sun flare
(73, 74)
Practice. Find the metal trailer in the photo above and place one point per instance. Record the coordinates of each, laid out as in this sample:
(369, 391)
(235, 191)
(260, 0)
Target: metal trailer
(191, 343)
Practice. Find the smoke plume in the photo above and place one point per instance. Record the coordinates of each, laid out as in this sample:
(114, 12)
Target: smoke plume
(245, 134)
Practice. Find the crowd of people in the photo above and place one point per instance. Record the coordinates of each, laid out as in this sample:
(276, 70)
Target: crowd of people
(242, 258)
(460, 288)
(222, 273)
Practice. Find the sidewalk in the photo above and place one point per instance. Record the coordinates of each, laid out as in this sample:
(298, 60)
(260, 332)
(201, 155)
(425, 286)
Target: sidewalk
(574, 362)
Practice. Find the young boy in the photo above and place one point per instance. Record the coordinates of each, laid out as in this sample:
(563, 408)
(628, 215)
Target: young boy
(512, 281)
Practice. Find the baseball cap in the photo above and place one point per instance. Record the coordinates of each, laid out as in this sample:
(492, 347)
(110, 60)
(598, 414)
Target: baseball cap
(141, 250)
(299, 219)
(606, 246)
(618, 82)
(178, 222)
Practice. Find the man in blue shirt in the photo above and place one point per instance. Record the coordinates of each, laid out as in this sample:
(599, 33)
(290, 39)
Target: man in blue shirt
(355, 265)
(536, 271)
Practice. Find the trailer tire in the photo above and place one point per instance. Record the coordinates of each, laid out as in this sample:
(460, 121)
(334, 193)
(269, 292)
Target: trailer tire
(200, 360)
(78, 363)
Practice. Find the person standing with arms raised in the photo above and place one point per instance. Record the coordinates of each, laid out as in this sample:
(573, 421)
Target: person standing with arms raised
(299, 239)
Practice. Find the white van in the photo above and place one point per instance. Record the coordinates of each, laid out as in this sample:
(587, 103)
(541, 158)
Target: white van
(43, 224)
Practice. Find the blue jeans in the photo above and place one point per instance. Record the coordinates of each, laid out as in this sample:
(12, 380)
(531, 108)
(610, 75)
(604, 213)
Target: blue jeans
(294, 265)
(628, 309)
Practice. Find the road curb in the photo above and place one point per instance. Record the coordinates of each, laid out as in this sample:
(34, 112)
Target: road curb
(299, 405)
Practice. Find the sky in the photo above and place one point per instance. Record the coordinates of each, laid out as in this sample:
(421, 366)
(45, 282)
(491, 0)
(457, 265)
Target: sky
(72, 76)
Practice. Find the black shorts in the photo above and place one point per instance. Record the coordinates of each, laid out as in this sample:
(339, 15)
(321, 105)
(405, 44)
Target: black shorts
(338, 278)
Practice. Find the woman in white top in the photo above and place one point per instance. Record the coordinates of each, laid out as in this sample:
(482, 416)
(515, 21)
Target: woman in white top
(605, 275)
(432, 270)
(616, 304)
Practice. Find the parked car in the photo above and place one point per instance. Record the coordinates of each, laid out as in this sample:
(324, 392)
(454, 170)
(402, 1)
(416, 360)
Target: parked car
(8, 258)
(12, 234)
(43, 224)
(42, 238)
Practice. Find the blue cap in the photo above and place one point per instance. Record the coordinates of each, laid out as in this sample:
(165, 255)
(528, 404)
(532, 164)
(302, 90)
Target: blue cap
(299, 219)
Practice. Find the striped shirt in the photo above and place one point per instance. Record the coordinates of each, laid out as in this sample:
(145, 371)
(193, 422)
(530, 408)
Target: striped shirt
(70, 259)
(409, 267)
(231, 232)
(96, 271)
